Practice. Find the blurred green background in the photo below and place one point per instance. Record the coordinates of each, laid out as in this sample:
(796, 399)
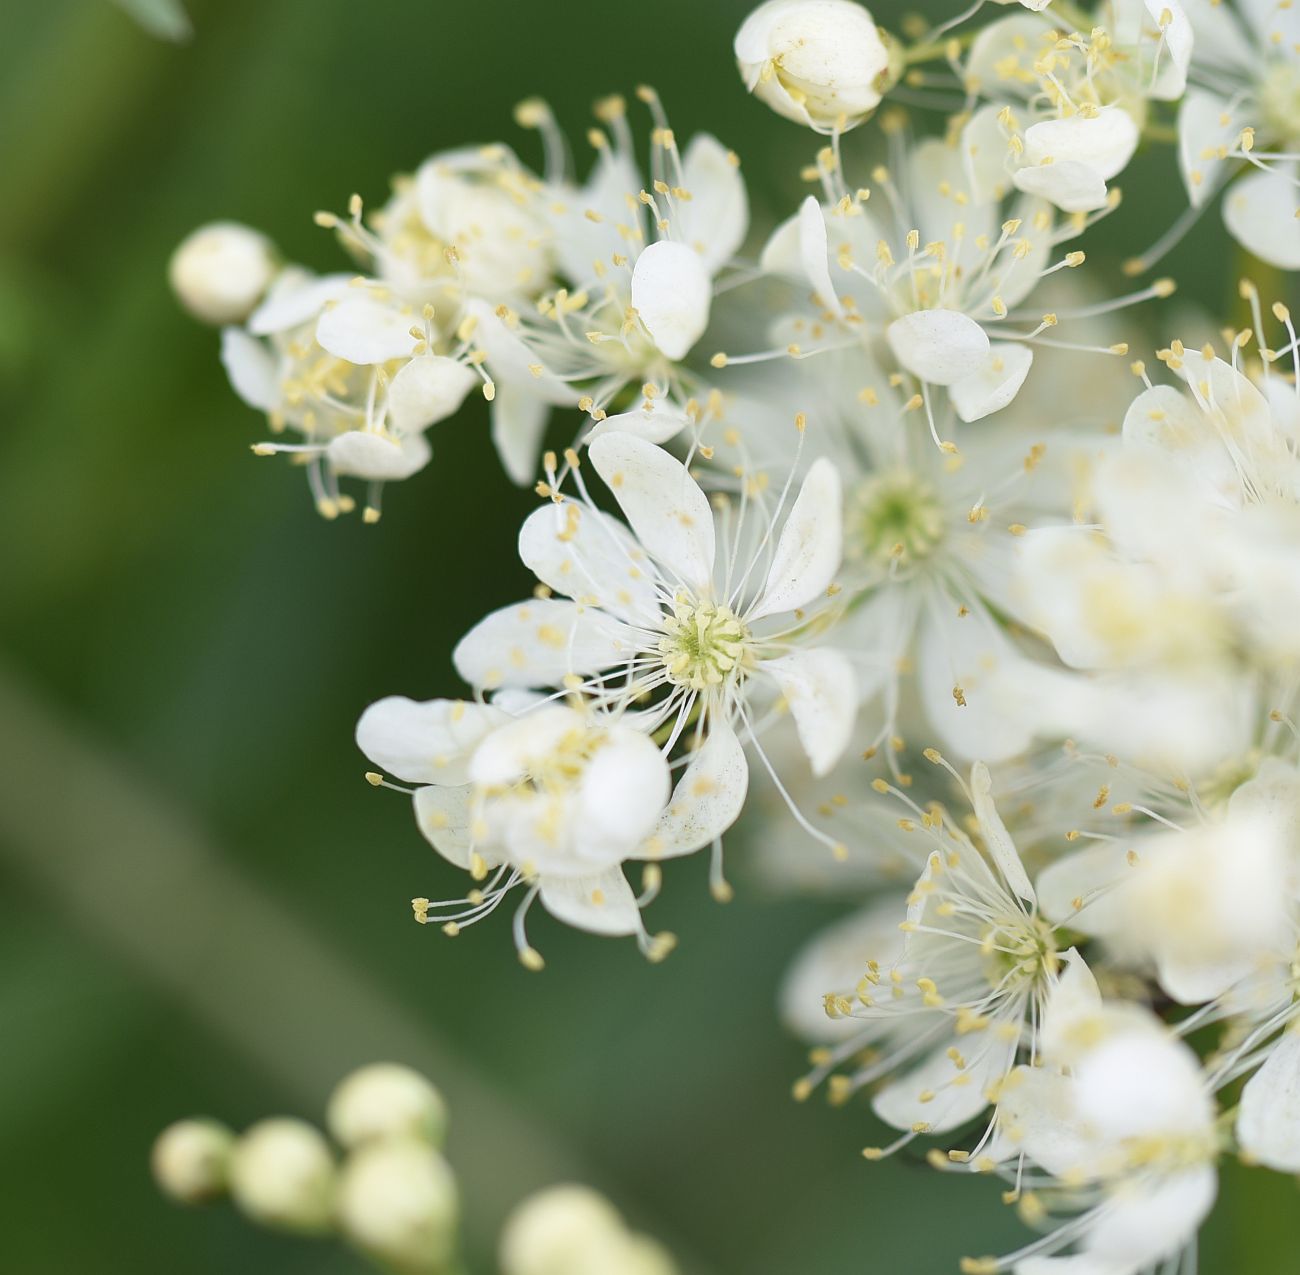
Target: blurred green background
(202, 906)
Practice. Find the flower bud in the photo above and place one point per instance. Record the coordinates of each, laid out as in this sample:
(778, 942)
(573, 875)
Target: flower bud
(386, 1100)
(398, 1202)
(282, 1175)
(557, 1230)
(823, 63)
(221, 271)
(190, 1160)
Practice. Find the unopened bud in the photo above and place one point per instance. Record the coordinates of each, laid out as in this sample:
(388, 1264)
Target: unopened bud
(190, 1160)
(282, 1175)
(221, 271)
(386, 1100)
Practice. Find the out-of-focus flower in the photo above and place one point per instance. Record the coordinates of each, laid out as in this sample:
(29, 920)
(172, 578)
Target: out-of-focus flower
(282, 1174)
(386, 1100)
(222, 270)
(191, 1160)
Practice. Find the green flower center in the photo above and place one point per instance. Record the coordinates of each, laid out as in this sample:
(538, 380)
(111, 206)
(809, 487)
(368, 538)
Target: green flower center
(705, 644)
(1279, 100)
(896, 516)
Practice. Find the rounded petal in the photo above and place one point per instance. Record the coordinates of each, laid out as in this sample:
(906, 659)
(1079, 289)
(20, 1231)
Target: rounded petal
(714, 220)
(1071, 186)
(623, 795)
(588, 556)
(664, 505)
(993, 386)
(360, 329)
(1104, 142)
(378, 457)
(425, 742)
(671, 293)
(707, 800)
(809, 549)
(812, 254)
(820, 688)
(540, 642)
(656, 423)
(295, 298)
(1260, 212)
(443, 816)
(939, 346)
(601, 903)
(1150, 1219)
(518, 426)
(251, 368)
(427, 390)
(1268, 1124)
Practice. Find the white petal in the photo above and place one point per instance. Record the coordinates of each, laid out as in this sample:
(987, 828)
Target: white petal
(623, 795)
(1071, 186)
(984, 153)
(443, 817)
(1260, 212)
(939, 346)
(808, 551)
(362, 330)
(590, 557)
(656, 424)
(714, 220)
(821, 690)
(812, 254)
(1073, 996)
(668, 512)
(251, 368)
(511, 362)
(672, 294)
(538, 643)
(1104, 142)
(602, 903)
(1268, 1124)
(996, 838)
(425, 742)
(708, 797)
(427, 390)
(519, 420)
(959, 1095)
(1205, 123)
(1175, 55)
(992, 387)
(296, 297)
(782, 252)
(377, 457)
(1152, 1218)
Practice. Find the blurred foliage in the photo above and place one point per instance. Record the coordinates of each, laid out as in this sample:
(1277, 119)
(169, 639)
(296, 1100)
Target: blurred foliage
(204, 908)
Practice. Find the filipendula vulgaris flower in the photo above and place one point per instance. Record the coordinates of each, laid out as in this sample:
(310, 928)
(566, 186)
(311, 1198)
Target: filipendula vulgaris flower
(1072, 107)
(940, 257)
(822, 63)
(357, 372)
(222, 270)
(550, 803)
(1198, 511)
(1239, 125)
(930, 554)
(945, 1017)
(706, 623)
(1110, 1143)
(636, 264)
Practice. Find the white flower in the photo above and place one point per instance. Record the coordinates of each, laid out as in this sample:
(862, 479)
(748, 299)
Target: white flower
(222, 270)
(1243, 117)
(821, 63)
(1120, 1122)
(355, 371)
(637, 260)
(1268, 1124)
(554, 800)
(1084, 96)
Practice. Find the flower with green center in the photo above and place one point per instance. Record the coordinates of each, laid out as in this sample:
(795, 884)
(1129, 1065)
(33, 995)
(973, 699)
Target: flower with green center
(896, 516)
(706, 644)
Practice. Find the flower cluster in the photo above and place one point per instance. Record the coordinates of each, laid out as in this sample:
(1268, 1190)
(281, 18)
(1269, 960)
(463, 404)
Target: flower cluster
(393, 1198)
(884, 541)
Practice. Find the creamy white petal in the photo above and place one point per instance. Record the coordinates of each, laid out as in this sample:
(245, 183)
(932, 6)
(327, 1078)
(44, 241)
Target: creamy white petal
(1268, 1124)
(959, 1094)
(252, 369)
(998, 841)
(588, 556)
(427, 390)
(295, 298)
(443, 816)
(378, 457)
(425, 742)
(990, 388)
(1205, 123)
(820, 689)
(601, 903)
(1073, 187)
(361, 330)
(664, 505)
(812, 254)
(539, 642)
(519, 420)
(809, 548)
(714, 220)
(1104, 142)
(671, 294)
(511, 362)
(1149, 1219)
(656, 424)
(939, 346)
(622, 797)
(1260, 212)
(707, 799)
